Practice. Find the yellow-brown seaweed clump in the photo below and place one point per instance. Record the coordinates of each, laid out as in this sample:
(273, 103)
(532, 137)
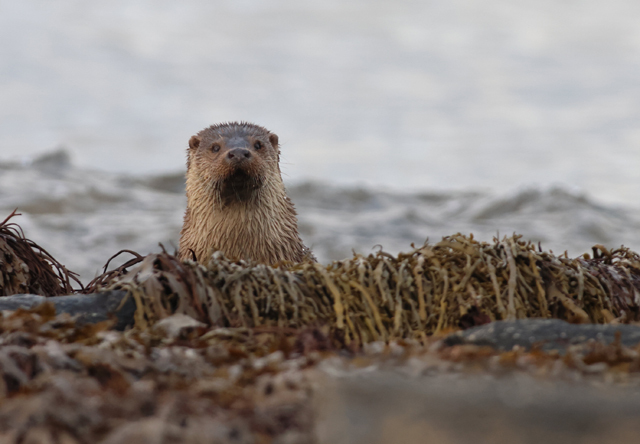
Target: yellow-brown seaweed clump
(456, 283)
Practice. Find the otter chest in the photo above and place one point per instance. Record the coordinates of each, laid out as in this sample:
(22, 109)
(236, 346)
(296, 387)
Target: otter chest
(245, 234)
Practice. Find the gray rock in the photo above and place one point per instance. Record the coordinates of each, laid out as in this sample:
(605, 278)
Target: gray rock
(90, 308)
(550, 334)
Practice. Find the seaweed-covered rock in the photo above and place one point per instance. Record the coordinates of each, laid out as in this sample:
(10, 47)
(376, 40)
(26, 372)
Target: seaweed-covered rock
(63, 382)
(453, 284)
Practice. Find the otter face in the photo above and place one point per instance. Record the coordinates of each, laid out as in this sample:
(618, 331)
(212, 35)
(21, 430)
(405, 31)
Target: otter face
(234, 159)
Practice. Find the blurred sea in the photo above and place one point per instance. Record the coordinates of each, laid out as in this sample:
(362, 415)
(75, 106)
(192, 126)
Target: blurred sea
(398, 120)
(82, 217)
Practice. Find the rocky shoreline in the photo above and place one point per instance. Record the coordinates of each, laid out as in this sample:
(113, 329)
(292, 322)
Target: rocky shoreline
(459, 341)
(524, 381)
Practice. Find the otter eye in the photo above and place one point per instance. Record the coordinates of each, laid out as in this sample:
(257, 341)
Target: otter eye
(215, 147)
(257, 145)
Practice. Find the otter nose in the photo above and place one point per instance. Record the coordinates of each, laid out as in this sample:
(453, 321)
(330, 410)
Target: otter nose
(238, 154)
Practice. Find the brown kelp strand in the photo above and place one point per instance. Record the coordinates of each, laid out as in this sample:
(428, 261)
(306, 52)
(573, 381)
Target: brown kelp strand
(456, 283)
(109, 275)
(25, 267)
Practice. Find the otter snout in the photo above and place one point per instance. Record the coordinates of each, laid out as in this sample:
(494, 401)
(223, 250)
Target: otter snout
(236, 156)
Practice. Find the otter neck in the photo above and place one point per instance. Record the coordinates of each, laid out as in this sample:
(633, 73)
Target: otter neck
(260, 227)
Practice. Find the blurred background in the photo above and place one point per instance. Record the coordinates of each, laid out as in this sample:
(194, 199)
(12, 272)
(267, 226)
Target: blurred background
(399, 120)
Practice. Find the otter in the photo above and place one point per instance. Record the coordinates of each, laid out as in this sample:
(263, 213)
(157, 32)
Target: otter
(236, 200)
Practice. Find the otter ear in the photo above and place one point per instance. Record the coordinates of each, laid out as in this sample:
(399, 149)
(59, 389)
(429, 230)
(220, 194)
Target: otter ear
(194, 142)
(273, 138)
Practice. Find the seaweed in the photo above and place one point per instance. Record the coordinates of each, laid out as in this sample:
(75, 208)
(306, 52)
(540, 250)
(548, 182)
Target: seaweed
(65, 383)
(455, 283)
(25, 267)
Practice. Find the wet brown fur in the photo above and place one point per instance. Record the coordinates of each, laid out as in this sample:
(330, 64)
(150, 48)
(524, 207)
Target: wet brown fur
(242, 210)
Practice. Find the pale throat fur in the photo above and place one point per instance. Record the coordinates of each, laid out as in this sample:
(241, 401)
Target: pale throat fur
(236, 200)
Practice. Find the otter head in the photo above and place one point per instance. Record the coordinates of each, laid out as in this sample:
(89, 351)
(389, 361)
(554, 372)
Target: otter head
(233, 161)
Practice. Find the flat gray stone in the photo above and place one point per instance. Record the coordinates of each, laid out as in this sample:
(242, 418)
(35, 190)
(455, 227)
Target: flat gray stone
(549, 334)
(90, 308)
